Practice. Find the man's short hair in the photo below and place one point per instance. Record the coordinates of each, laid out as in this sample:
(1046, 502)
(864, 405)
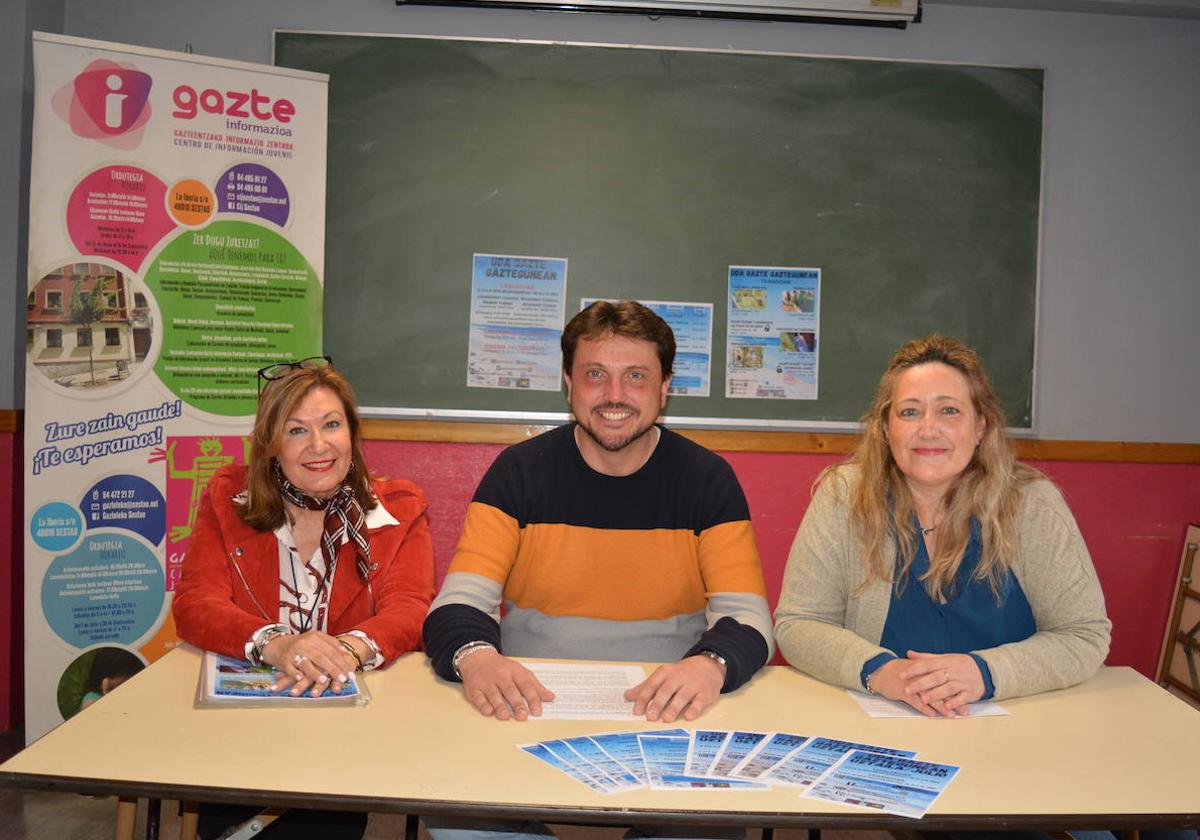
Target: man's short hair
(627, 318)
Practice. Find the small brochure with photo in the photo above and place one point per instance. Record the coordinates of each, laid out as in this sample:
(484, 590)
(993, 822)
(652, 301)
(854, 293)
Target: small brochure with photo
(226, 682)
(889, 783)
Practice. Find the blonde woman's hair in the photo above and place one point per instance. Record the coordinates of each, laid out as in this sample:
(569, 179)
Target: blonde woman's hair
(988, 489)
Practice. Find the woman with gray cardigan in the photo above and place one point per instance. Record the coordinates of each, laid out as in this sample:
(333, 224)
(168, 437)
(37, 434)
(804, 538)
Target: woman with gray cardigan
(933, 568)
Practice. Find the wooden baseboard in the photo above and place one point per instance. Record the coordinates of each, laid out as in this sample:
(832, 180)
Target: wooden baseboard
(729, 440)
(812, 443)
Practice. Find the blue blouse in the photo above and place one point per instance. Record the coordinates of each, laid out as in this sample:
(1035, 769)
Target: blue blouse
(971, 619)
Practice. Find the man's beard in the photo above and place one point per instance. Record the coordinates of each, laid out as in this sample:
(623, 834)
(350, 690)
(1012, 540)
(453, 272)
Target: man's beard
(620, 443)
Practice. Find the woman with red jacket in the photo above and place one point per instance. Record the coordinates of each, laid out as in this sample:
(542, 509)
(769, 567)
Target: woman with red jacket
(299, 560)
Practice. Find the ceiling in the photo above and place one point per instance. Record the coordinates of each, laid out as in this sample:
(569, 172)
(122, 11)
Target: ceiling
(1144, 8)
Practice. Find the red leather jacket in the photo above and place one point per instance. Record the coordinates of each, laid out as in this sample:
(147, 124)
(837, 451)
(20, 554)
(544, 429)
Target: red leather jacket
(230, 582)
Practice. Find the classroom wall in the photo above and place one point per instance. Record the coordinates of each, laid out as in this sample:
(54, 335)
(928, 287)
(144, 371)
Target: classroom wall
(1116, 340)
(17, 19)
(1118, 290)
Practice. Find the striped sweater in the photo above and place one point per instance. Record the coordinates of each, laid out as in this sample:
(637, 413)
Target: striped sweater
(653, 566)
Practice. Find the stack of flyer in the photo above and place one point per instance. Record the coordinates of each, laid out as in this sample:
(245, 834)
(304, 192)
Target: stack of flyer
(863, 775)
(226, 682)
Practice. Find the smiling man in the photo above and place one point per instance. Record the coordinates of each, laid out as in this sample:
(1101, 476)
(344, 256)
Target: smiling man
(610, 537)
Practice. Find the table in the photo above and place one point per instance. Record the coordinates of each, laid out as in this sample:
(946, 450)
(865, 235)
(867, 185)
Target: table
(1115, 752)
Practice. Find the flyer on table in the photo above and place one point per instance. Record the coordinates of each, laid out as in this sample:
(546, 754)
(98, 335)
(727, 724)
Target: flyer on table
(772, 751)
(624, 748)
(889, 783)
(569, 756)
(804, 766)
(517, 309)
(773, 335)
(176, 246)
(705, 747)
(590, 751)
(737, 749)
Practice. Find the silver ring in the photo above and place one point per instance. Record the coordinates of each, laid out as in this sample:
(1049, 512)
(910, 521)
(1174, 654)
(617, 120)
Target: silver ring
(298, 659)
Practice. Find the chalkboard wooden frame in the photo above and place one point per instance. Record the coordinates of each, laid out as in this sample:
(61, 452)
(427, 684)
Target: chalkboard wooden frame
(922, 208)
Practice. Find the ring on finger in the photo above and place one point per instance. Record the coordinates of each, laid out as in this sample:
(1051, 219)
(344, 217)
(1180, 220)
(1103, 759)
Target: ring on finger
(945, 677)
(299, 659)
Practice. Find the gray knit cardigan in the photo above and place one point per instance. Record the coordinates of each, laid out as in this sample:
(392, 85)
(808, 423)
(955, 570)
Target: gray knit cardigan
(828, 630)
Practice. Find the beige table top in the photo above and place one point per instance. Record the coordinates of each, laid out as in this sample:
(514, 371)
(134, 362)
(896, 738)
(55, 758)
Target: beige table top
(1115, 752)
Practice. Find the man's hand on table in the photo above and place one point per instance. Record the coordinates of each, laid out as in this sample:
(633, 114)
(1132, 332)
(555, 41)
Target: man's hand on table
(501, 688)
(681, 689)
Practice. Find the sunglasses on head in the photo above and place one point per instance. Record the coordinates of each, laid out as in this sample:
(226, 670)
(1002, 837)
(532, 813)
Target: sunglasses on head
(281, 369)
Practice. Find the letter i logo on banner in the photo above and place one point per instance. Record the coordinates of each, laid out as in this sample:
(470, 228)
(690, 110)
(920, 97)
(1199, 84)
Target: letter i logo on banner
(108, 102)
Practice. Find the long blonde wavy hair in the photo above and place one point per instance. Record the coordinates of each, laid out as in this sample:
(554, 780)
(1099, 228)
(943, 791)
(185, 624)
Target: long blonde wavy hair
(988, 489)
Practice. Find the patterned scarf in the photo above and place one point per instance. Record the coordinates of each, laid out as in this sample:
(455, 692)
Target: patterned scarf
(344, 517)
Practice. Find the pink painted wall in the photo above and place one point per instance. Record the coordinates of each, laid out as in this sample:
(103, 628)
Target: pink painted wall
(12, 596)
(1132, 516)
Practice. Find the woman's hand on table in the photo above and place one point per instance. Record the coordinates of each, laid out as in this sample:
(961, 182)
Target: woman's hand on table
(947, 683)
(888, 681)
(934, 684)
(311, 661)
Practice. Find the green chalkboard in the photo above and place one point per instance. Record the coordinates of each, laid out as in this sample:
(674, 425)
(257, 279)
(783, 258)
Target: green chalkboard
(913, 187)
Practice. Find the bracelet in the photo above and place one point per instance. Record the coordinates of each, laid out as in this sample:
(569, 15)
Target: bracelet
(268, 635)
(465, 651)
(869, 687)
(715, 657)
(351, 650)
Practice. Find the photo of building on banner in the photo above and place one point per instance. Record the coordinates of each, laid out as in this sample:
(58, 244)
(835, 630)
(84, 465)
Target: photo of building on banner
(176, 246)
(773, 333)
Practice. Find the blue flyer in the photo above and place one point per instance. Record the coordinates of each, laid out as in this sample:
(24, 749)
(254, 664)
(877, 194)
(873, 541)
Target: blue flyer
(737, 748)
(623, 747)
(663, 756)
(706, 746)
(805, 765)
(566, 754)
(517, 308)
(769, 753)
(589, 751)
(540, 751)
(773, 333)
(889, 783)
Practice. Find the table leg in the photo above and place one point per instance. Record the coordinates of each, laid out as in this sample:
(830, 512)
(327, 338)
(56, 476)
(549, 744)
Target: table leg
(153, 814)
(189, 820)
(126, 818)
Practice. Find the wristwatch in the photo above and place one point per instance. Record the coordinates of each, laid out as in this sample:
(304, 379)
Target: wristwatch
(264, 637)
